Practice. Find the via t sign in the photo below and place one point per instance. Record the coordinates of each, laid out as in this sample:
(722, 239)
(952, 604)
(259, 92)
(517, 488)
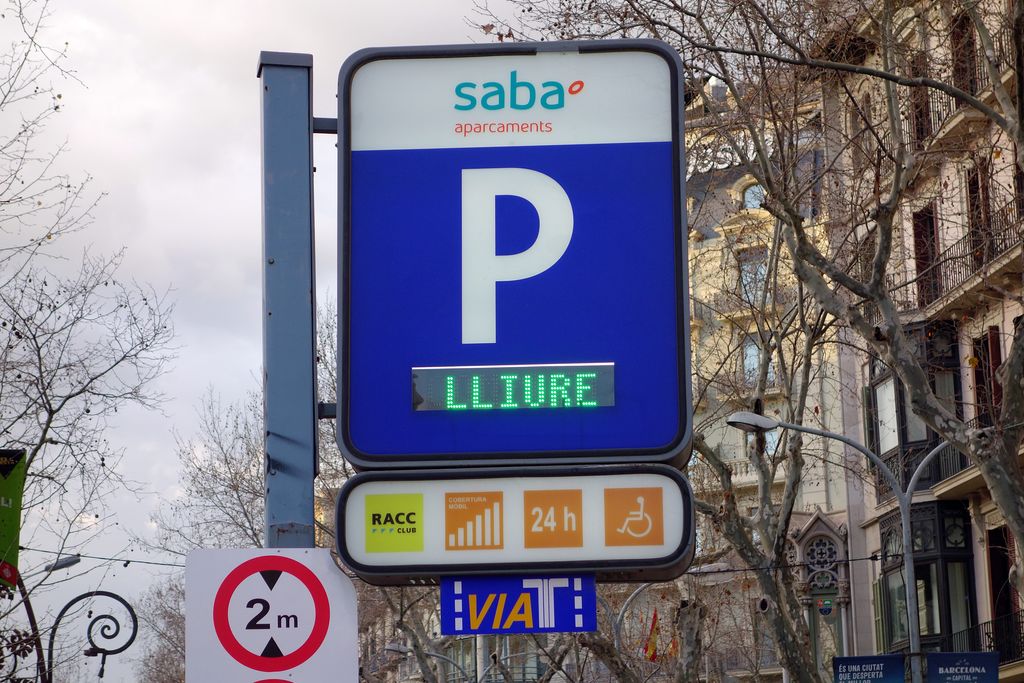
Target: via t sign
(513, 260)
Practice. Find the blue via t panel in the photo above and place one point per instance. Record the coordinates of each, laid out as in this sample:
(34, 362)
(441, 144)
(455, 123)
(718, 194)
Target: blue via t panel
(513, 261)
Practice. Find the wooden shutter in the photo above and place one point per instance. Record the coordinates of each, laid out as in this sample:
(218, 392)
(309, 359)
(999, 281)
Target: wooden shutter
(881, 645)
(995, 359)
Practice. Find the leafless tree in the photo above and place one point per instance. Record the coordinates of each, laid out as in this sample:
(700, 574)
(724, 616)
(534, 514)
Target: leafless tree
(38, 203)
(162, 611)
(907, 71)
(78, 341)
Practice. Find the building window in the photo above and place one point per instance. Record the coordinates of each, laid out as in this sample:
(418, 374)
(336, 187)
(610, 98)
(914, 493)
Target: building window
(1018, 187)
(753, 265)
(865, 255)
(965, 53)
(979, 213)
(942, 574)
(771, 445)
(892, 429)
(752, 362)
(988, 394)
(887, 429)
(862, 141)
(753, 197)
(926, 255)
(920, 106)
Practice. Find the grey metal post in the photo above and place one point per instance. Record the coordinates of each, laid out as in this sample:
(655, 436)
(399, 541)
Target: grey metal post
(289, 298)
(904, 498)
(621, 616)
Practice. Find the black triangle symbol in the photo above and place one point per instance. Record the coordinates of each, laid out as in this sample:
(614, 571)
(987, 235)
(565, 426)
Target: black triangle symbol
(270, 576)
(271, 650)
(9, 459)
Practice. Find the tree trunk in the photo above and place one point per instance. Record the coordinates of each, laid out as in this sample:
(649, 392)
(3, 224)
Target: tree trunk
(604, 649)
(688, 623)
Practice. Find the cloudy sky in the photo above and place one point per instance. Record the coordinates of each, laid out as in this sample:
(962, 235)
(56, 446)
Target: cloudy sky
(166, 120)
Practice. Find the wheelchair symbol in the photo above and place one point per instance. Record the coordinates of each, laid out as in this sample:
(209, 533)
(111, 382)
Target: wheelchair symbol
(637, 517)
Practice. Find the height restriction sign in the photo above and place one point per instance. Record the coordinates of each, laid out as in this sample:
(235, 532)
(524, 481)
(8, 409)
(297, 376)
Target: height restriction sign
(513, 256)
(268, 615)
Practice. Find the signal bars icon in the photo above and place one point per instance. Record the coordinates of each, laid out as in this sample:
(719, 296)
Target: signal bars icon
(473, 521)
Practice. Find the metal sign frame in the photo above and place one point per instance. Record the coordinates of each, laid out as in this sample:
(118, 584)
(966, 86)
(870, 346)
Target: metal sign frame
(672, 452)
(662, 568)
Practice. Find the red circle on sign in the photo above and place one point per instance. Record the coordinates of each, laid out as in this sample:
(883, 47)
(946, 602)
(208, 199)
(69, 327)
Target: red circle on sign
(321, 606)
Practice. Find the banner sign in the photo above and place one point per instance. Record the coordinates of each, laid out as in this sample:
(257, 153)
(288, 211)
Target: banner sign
(963, 667)
(516, 604)
(879, 668)
(619, 522)
(12, 483)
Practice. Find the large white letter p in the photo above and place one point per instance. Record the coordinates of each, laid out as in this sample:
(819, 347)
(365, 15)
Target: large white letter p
(482, 268)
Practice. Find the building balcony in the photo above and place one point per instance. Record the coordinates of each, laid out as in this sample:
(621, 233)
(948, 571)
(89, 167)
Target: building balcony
(958, 476)
(738, 385)
(1004, 635)
(948, 117)
(960, 274)
(937, 122)
(903, 462)
(745, 475)
(701, 311)
(740, 663)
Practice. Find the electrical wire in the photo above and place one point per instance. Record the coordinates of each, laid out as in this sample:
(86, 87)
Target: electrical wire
(125, 560)
(696, 571)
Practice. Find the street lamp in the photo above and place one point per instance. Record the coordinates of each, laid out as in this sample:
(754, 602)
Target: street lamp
(60, 563)
(106, 625)
(404, 650)
(102, 630)
(754, 423)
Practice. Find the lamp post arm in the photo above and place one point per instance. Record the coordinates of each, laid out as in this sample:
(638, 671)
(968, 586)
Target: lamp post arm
(438, 655)
(903, 499)
(887, 473)
(923, 465)
(617, 631)
(909, 570)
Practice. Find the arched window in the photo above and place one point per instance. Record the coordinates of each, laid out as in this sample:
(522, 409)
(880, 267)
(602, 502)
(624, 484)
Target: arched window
(822, 573)
(753, 197)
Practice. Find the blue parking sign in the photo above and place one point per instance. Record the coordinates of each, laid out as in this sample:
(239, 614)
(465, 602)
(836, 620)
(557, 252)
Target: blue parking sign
(513, 261)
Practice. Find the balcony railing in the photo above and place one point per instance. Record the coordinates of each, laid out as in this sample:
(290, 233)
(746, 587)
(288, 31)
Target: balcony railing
(1004, 635)
(956, 265)
(951, 460)
(903, 461)
(753, 659)
(972, 252)
(974, 78)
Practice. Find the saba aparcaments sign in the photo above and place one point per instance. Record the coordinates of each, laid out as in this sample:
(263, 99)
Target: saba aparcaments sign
(513, 261)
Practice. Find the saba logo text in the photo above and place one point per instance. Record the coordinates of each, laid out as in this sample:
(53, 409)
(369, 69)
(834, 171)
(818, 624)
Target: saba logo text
(514, 94)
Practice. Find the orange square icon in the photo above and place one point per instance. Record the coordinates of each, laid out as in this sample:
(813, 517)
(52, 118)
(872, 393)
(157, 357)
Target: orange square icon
(473, 520)
(634, 516)
(553, 519)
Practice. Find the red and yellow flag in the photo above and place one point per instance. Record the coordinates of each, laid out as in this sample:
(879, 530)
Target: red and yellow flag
(651, 647)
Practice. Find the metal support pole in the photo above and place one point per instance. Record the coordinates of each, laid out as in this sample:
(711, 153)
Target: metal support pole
(289, 299)
(621, 616)
(904, 499)
(404, 650)
(42, 668)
